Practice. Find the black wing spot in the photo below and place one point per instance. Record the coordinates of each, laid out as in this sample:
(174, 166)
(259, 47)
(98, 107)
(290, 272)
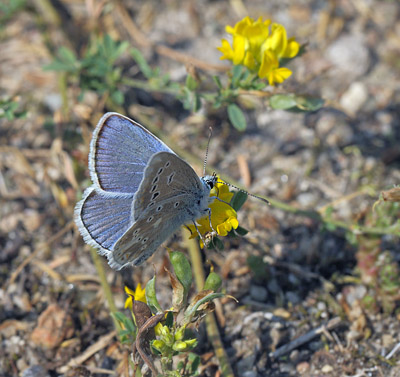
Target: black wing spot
(160, 171)
(170, 178)
(176, 204)
(155, 195)
(155, 180)
(150, 219)
(167, 164)
(150, 204)
(144, 240)
(154, 188)
(198, 202)
(159, 208)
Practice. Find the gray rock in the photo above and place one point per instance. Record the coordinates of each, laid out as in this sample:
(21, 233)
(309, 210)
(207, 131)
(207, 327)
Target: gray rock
(35, 371)
(258, 293)
(354, 98)
(350, 55)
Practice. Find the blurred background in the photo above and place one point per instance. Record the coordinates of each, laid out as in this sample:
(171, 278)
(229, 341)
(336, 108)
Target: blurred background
(321, 262)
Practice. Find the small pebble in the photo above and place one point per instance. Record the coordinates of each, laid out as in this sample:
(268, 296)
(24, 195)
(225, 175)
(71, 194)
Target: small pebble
(303, 367)
(258, 293)
(327, 368)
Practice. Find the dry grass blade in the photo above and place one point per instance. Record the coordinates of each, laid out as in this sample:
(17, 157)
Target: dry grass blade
(103, 342)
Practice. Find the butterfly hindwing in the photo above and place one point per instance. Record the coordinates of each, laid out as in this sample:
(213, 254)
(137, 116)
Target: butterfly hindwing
(119, 153)
(143, 238)
(103, 218)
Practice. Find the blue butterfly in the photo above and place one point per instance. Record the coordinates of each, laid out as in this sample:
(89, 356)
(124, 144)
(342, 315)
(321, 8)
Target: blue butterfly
(142, 192)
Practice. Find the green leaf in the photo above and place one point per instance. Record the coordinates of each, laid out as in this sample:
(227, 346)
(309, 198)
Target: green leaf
(196, 103)
(169, 320)
(294, 102)
(213, 282)
(307, 103)
(217, 80)
(120, 317)
(236, 117)
(258, 267)
(66, 61)
(118, 97)
(218, 244)
(142, 63)
(238, 200)
(151, 297)
(241, 231)
(237, 74)
(194, 362)
(191, 83)
(282, 101)
(182, 269)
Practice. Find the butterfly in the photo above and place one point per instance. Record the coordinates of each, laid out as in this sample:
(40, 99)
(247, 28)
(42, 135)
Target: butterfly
(142, 192)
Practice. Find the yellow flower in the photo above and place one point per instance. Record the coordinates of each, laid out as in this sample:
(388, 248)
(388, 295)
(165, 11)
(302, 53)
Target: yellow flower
(279, 44)
(258, 49)
(270, 69)
(223, 216)
(138, 295)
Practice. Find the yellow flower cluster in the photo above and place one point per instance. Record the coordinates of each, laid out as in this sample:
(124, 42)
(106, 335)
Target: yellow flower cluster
(254, 46)
(223, 216)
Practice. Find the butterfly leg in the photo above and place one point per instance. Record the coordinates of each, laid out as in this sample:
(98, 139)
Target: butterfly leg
(223, 201)
(190, 230)
(198, 232)
(209, 219)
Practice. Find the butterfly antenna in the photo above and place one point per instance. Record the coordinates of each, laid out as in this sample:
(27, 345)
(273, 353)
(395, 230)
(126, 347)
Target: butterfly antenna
(208, 144)
(238, 188)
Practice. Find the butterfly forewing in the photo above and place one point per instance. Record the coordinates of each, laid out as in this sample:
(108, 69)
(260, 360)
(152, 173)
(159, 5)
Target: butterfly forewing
(167, 177)
(119, 153)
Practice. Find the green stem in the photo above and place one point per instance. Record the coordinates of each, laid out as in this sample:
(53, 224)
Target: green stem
(211, 324)
(104, 284)
(146, 85)
(62, 84)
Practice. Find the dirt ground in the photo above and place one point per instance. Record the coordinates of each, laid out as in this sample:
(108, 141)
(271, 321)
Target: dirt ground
(317, 276)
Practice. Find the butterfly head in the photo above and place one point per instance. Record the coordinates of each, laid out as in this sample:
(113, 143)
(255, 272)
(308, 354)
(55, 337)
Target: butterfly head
(209, 180)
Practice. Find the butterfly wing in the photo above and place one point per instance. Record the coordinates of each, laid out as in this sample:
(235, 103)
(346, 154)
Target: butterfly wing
(170, 195)
(103, 218)
(119, 153)
(143, 238)
(166, 177)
